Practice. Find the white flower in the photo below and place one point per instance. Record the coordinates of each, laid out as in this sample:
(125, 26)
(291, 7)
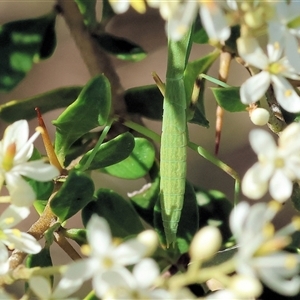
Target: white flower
(14, 238)
(277, 167)
(15, 151)
(259, 248)
(214, 20)
(284, 28)
(121, 284)
(104, 256)
(121, 6)
(275, 70)
(42, 289)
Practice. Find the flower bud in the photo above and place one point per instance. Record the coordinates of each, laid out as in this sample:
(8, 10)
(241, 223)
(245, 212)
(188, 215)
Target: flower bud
(149, 239)
(246, 286)
(259, 116)
(206, 243)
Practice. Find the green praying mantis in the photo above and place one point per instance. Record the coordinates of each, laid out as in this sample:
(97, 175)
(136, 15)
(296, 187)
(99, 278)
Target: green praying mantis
(174, 140)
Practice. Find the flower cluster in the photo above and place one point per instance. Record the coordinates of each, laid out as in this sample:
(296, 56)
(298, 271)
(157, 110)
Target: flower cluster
(277, 167)
(260, 253)
(16, 149)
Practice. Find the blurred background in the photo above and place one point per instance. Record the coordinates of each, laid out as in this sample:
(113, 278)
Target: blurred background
(66, 68)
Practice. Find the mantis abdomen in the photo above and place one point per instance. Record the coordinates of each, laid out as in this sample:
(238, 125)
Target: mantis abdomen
(173, 157)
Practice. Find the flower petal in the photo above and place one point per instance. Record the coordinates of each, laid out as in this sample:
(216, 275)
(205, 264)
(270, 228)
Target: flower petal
(13, 215)
(40, 286)
(255, 87)
(99, 235)
(129, 252)
(21, 193)
(4, 264)
(253, 186)
(37, 170)
(262, 142)
(285, 94)
(252, 53)
(281, 187)
(145, 273)
(21, 241)
(214, 21)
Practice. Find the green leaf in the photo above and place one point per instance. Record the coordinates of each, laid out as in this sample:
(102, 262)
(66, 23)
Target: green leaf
(188, 224)
(121, 48)
(144, 200)
(199, 34)
(110, 152)
(107, 12)
(137, 164)
(296, 196)
(88, 11)
(146, 101)
(229, 99)
(78, 235)
(214, 209)
(76, 192)
(23, 43)
(121, 216)
(191, 74)
(43, 190)
(90, 110)
(41, 259)
(25, 109)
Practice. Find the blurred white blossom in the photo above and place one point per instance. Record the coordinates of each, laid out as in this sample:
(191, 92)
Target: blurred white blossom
(260, 253)
(43, 290)
(284, 28)
(275, 70)
(103, 256)
(15, 151)
(277, 166)
(13, 238)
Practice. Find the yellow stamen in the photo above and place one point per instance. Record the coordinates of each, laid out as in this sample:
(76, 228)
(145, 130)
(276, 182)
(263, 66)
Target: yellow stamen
(9, 155)
(291, 261)
(85, 250)
(139, 6)
(268, 230)
(275, 206)
(9, 220)
(296, 222)
(16, 232)
(288, 93)
(273, 245)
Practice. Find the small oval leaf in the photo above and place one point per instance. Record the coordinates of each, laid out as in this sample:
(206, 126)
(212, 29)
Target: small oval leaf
(76, 192)
(229, 99)
(90, 110)
(25, 109)
(120, 215)
(23, 43)
(137, 164)
(121, 48)
(110, 152)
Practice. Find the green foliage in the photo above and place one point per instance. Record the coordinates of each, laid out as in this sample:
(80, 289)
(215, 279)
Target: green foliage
(146, 101)
(90, 110)
(137, 164)
(121, 48)
(214, 209)
(119, 213)
(88, 11)
(229, 99)
(25, 109)
(188, 224)
(110, 153)
(75, 193)
(23, 43)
